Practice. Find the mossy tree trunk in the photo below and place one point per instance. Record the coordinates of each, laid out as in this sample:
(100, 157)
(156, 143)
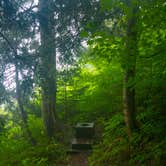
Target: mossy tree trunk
(48, 66)
(129, 107)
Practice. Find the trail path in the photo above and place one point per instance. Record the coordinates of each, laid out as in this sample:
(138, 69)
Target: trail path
(78, 159)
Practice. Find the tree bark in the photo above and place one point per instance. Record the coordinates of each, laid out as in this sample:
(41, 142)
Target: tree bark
(21, 108)
(48, 66)
(129, 107)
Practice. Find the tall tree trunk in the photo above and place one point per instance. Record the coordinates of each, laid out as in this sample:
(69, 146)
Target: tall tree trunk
(21, 108)
(48, 66)
(129, 71)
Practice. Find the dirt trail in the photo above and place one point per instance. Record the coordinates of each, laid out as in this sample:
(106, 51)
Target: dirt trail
(78, 159)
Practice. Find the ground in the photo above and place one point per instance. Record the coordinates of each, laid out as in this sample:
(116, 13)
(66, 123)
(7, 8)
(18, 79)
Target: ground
(78, 159)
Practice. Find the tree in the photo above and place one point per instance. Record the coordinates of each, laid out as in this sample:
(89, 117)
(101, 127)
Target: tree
(129, 65)
(48, 66)
(59, 31)
(15, 55)
(123, 14)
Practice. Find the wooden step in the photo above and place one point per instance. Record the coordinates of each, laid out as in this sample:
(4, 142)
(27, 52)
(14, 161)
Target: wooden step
(75, 151)
(81, 144)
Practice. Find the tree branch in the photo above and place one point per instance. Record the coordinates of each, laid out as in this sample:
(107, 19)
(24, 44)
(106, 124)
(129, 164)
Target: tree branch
(9, 43)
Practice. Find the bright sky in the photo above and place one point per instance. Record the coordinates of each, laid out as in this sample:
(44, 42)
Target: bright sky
(36, 2)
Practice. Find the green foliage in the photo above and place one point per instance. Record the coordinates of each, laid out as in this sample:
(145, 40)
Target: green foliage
(44, 154)
(100, 86)
(114, 145)
(36, 127)
(3, 119)
(19, 152)
(90, 89)
(87, 93)
(16, 150)
(147, 146)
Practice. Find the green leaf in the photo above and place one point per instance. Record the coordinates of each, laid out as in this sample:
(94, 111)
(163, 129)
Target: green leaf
(84, 34)
(106, 4)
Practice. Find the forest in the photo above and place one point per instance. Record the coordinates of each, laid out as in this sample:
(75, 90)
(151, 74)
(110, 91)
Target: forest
(82, 83)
